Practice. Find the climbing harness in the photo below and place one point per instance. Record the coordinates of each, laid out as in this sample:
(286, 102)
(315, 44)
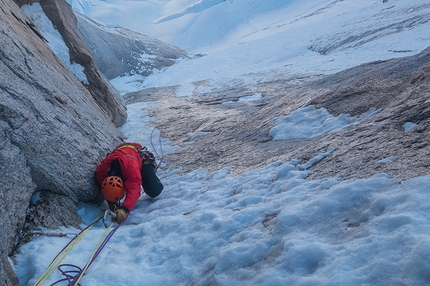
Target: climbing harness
(74, 275)
(144, 153)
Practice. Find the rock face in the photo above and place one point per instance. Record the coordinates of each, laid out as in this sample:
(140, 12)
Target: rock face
(53, 129)
(107, 47)
(62, 17)
(237, 134)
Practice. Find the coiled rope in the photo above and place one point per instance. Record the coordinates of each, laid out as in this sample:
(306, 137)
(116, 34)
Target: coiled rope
(75, 274)
(63, 253)
(99, 248)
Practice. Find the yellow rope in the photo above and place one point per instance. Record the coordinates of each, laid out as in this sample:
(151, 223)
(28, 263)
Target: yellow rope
(94, 253)
(54, 264)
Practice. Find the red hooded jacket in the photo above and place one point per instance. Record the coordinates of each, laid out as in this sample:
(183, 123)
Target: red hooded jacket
(131, 163)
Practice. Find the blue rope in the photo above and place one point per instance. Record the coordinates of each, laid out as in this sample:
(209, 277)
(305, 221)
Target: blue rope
(69, 274)
(68, 246)
(73, 275)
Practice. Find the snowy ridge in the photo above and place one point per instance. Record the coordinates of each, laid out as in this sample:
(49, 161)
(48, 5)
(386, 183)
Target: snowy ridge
(296, 37)
(195, 8)
(364, 32)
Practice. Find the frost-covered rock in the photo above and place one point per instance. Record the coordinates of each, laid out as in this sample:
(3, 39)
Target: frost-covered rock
(120, 51)
(106, 96)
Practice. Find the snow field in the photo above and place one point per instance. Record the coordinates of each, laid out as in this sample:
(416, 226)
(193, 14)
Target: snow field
(268, 227)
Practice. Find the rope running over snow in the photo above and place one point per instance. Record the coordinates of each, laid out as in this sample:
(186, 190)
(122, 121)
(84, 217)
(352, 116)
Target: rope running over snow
(73, 280)
(63, 253)
(161, 147)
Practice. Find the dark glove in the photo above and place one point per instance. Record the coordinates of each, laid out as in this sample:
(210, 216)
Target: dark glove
(113, 206)
(121, 214)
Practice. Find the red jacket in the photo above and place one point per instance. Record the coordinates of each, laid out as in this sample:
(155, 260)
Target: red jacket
(131, 164)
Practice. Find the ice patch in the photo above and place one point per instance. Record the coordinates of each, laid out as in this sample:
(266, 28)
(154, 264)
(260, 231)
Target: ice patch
(408, 126)
(139, 128)
(198, 134)
(309, 122)
(128, 83)
(55, 40)
(254, 97)
(35, 198)
(387, 160)
(315, 160)
(185, 90)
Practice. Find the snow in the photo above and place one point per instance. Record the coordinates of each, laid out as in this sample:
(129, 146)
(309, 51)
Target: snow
(408, 126)
(254, 97)
(269, 226)
(55, 41)
(309, 122)
(265, 38)
(387, 160)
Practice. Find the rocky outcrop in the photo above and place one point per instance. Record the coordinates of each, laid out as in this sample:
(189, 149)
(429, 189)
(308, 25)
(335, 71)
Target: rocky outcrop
(237, 133)
(54, 129)
(119, 51)
(62, 17)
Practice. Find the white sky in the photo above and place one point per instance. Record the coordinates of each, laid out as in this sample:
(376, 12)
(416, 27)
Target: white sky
(269, 226)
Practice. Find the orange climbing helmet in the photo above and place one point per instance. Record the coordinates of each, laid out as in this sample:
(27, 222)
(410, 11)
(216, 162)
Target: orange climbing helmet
(113, 188)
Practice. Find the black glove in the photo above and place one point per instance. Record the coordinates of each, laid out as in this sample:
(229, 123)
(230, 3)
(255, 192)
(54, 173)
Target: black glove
(113, 206)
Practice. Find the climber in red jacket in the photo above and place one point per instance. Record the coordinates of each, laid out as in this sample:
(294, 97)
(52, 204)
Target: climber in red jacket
(123, 172)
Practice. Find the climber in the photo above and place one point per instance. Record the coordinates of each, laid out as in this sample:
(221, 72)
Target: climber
(122, 173)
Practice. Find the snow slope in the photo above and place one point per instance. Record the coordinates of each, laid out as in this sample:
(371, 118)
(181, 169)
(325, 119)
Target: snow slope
(269, 226)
